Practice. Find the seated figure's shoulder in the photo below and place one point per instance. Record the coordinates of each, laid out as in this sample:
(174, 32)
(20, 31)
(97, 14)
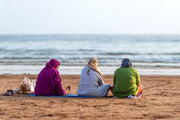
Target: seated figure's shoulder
(118, 69)
(54, 71)
(134, 70)
(84, 68)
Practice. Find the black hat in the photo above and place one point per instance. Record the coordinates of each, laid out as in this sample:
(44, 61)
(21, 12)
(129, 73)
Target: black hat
(126, 63)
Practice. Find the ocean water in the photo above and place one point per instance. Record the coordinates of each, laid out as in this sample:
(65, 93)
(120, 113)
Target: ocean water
(148, 53)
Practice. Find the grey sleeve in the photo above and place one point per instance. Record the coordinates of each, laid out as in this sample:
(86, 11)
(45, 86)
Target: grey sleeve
(100, 80)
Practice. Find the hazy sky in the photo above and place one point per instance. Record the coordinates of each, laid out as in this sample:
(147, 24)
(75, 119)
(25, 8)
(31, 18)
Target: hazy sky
(89, 16)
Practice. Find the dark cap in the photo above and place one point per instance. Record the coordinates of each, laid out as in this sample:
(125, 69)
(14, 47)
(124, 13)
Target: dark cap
(126, 63)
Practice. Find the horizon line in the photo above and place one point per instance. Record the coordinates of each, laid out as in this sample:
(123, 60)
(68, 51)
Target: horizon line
(92, 34)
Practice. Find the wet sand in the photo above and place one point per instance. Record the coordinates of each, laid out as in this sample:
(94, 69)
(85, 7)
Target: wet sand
(160, 100)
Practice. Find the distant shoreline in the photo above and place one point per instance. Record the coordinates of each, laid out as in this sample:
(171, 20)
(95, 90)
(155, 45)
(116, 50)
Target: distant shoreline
(76, 70)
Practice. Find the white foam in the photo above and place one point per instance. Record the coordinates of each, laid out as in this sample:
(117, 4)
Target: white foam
(30, 69)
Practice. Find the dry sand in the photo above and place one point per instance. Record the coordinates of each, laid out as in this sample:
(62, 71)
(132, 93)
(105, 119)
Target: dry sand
(160, 100)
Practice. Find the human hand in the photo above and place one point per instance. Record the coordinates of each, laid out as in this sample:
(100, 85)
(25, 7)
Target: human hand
(68, 88)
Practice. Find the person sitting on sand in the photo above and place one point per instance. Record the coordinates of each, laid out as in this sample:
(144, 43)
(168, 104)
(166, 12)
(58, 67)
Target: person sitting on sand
(91, 81)
(126, 81)
(49, 80)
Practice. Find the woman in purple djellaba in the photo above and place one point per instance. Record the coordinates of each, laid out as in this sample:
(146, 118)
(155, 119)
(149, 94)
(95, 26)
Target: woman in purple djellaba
(49, 80)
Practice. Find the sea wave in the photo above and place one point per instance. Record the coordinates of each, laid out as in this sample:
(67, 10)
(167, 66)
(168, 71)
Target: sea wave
(75, 50)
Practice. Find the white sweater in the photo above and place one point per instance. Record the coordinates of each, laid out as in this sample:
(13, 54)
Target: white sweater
(92, 84)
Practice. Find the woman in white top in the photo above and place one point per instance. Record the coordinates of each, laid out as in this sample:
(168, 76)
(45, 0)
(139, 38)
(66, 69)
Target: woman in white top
(91, 81)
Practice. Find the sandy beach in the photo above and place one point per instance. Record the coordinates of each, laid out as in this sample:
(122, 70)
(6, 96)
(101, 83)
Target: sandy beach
(160, 100)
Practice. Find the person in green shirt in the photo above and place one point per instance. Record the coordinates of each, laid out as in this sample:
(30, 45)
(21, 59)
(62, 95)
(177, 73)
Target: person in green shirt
(126, 81)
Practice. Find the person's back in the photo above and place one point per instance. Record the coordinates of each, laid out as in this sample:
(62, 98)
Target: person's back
(49, 80)
(91, 81)
(126, 81)
(45, 82)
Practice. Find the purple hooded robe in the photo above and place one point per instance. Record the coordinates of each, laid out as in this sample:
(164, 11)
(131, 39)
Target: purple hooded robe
(49, 80)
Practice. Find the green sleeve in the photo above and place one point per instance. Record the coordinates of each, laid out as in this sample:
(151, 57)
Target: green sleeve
(114, 78)
(138, 80)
